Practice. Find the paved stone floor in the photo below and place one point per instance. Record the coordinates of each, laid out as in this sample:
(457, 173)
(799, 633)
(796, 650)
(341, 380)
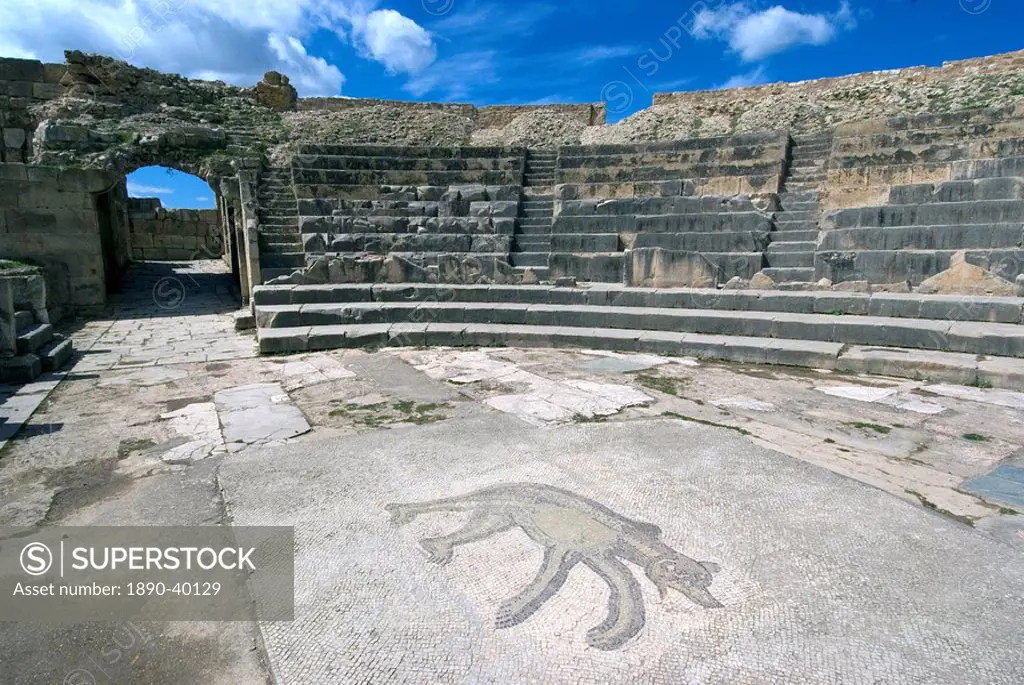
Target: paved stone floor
(167, 313)
(514, 515)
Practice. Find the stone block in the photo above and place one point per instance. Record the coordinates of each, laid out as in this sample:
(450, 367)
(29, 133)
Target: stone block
(46, 91)
(12, 69)
(605, 268)
(660, 268)
(14, 137)
(963, 277)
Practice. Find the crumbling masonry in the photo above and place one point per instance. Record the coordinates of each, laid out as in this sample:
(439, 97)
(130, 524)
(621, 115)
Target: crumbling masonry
(729, 224)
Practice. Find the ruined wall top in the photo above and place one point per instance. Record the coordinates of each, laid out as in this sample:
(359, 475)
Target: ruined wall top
(109, 114)
(817, 105)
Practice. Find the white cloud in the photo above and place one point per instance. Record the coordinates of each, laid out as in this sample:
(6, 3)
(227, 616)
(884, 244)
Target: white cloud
(202, 198)
(751, 78)
(755, 35)
(143, 190)
(310, 75)
(224, 39)
(394, 40)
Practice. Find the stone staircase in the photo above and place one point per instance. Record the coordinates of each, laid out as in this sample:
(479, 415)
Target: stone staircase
(963, 340)
(281, 250)
(39, 349)
(790, 256)
(532, 243)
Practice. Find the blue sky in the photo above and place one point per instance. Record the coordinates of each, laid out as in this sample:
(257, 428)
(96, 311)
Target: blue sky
(506, 51)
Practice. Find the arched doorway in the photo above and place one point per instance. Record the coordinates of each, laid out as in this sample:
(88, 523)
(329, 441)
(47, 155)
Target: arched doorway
(172, 216)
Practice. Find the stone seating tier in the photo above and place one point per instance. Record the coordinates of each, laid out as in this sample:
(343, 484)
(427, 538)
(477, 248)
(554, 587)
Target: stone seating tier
(960, 339)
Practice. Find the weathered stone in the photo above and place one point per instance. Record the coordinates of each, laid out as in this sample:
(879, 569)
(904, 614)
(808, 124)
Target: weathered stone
(737, 283)
(276, 92)
(14, 137)
(659, 268)
(852, 287)
(761, 281)
(962, 277)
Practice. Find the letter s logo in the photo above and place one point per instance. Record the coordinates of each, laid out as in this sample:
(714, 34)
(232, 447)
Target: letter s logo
(36, 559)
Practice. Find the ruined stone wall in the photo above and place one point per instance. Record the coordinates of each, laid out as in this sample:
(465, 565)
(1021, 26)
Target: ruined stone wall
(393, 122)
(50, 217)
(810, 106)
(24, 83)
(161, 234)
(119, 117)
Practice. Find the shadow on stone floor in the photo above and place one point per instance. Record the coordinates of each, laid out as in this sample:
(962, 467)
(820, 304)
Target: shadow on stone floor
(165, 290)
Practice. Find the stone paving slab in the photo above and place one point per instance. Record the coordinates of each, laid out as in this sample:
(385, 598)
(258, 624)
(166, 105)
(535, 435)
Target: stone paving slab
(258, 414)
(772, 570)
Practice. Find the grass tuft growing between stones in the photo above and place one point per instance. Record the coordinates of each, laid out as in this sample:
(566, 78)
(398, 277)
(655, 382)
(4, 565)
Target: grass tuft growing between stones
(975, 437)
(669, 386)
(877, 427)
(705, 422)
(382, 414)
(928, 504)
(126, 447)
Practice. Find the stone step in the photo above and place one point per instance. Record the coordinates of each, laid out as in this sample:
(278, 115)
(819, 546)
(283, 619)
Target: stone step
(799, 259)
(948, 308)
(23, 368)
(789, 273)
(535, 229)
(999, 236)
(931, 214)
(798, 206)
(279, 219)
(280, 232)
(537, 204)
(585, 242)
(33, 337)
(281, 246)
(291, 260)
(790, 245)
(270, 273)
(816, 153)
(800, 196)
(535, 212)
(56, 354)
(797, 215)
(936, 366)
(788, 235)
(800, 185)
(529, 258)
(23, 320)
(1005, 340)
(533, 243)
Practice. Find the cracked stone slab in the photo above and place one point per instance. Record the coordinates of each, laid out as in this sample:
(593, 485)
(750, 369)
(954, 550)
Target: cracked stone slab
(545, 402)
(258, 414)
(888, 396)
(311, 370)
(625, 363)
(199, 428)
(1000, 398)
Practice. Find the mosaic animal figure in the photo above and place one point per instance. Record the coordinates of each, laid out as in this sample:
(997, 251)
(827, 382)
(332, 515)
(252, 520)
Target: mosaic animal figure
(573, 530)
